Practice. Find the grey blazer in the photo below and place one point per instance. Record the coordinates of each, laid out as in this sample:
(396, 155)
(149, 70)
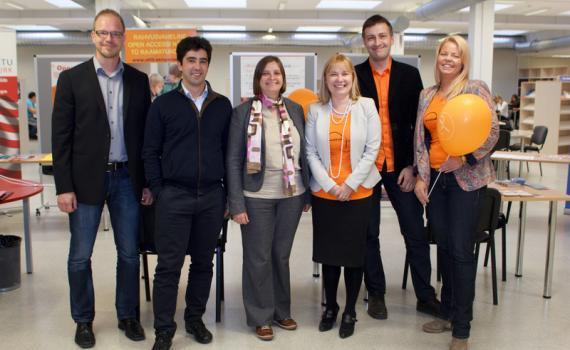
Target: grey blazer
(364, 144)
(237, 177)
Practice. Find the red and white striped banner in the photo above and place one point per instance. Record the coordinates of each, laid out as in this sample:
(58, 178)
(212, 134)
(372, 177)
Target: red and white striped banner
(9, 122)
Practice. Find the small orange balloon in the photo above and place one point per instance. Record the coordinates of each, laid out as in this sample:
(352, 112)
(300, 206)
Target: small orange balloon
(304, 97)
(464, 124)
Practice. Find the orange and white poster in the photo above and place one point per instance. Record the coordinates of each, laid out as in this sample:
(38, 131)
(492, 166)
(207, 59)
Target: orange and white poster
(9, 96)
(56, 69)
(153, 45)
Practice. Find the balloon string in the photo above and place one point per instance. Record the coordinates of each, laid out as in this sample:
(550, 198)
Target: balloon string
(435, 182)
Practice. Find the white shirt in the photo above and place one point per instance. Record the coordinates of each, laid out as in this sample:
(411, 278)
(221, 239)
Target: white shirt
(199, 101)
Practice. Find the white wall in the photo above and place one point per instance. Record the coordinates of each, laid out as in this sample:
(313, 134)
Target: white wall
(504, 70)
(505, 74)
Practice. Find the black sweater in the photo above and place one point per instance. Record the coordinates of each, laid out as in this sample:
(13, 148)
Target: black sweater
(184, 147)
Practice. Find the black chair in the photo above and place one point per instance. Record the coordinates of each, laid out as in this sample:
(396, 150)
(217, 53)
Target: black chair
(508, 125)
(501, 224)
(503, 144)
(147, 247)
(537, 141)
(487, 224)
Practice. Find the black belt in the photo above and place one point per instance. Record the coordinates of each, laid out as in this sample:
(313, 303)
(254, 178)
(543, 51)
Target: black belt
(110, 167)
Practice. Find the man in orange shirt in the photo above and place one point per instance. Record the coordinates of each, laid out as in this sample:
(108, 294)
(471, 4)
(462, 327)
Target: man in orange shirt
(395, 88)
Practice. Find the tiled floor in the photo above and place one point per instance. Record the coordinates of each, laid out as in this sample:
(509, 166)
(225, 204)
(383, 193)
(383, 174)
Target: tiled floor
(36, 316)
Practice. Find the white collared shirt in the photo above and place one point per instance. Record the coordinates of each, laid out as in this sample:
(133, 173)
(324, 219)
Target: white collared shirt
(199, 101)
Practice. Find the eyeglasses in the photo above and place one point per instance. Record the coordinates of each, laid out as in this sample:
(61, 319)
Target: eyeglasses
(103, 34)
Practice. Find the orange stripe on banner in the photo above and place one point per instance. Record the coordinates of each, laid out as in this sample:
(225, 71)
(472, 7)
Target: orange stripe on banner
(16, 174)
(10, 143)
(9, 113)
(9, 127)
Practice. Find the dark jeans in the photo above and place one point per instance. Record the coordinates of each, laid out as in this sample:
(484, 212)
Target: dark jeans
(410, 212)
(453, 216)
(32, 131)
(410, 217)
(352, 282)
(83, 223)
(185, 223)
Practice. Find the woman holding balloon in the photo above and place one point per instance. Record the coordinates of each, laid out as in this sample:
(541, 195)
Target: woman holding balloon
(455, 135)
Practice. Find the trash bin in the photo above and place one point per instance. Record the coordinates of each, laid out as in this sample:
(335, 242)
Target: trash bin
(9, 263)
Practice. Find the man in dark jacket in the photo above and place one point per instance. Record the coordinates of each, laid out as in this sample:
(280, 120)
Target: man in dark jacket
(395, 88)
(184, 157)
(97, 135)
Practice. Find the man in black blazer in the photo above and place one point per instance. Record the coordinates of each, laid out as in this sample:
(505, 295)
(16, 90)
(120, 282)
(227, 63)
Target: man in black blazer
(395, 88)
(98, 125)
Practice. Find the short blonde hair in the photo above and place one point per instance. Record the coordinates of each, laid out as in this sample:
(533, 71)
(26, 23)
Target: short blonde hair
(459, 82)
(324, 93)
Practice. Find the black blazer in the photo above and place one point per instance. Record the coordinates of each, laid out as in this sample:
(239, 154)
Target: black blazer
(81, 133)
(403, 96)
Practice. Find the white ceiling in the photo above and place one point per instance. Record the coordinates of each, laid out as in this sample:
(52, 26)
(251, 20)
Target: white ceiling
(263, 14)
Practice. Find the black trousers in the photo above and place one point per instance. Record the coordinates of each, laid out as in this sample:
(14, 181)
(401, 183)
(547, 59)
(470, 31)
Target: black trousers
(184, 223)
(410, 217)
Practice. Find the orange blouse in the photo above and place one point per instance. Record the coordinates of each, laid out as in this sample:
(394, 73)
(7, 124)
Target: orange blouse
(340, 163)
(437, 155)
(386, 151)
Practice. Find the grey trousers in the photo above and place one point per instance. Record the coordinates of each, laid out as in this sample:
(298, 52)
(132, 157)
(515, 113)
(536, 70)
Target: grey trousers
(267, 240)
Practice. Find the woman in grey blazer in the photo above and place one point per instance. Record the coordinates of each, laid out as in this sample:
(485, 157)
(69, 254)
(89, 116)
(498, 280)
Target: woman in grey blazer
(343, 137)
(267, 173)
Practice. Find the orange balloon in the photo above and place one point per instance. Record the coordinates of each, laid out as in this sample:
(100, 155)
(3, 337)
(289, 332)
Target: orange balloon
(304, 97)
(464, 124)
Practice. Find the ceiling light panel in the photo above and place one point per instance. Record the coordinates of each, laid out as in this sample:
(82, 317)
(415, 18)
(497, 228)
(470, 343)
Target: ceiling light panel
(64, 4)
(315, 36)
(32, 27)
(14, 5)
(414, 38)
(318, 29)
(502, 40)
(536, 12)
(224, 36)
(219, 4)
(347, 5)
(223, 27)
(508, 32)
(498, 7)
(412, 30)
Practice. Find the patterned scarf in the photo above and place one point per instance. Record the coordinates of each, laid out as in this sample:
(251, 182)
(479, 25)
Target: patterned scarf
(254, 133)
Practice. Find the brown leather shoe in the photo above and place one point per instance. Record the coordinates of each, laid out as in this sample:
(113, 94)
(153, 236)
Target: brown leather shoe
(458, 344)
(264, 332)
(437, 326)
(288, 324)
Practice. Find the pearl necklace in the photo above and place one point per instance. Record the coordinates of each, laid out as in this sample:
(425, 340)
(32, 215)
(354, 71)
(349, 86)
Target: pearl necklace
(337, 120)
(343, 115)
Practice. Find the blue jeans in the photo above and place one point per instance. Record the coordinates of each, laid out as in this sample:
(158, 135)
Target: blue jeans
(83, 223)
(452, 215)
